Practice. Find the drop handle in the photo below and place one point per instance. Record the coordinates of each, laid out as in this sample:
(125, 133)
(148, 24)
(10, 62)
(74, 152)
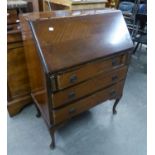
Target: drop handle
(72, 110)
(114, 62)
(113, 93)
(73, 79)
(71, 95)
(114, 78)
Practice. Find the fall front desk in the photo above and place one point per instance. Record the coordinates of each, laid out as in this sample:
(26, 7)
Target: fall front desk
(75, 60)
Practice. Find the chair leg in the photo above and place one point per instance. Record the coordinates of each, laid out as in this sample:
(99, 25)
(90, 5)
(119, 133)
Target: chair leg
(114, 106)
(135, 49)
(139, 53)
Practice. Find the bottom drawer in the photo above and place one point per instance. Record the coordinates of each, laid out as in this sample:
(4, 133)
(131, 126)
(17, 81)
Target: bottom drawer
(82, 105)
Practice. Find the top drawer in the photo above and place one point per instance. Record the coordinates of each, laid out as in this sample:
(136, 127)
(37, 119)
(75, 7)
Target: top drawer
(89, 70)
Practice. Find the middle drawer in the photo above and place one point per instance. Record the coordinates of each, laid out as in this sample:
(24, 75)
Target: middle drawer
(86, 88)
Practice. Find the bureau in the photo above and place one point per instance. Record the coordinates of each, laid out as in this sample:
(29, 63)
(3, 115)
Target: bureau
(77, 60)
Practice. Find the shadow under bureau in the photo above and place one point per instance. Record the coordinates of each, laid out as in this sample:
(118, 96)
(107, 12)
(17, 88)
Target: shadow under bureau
(82, 60)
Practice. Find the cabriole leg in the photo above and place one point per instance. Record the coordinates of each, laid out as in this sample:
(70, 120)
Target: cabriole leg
(52, 131)
(38, 112)
(114, 106)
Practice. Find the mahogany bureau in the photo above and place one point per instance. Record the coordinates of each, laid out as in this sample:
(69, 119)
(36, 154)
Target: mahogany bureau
(82, 60)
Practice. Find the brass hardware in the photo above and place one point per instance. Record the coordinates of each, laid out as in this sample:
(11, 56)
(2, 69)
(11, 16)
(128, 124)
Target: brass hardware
(71, 95)
(114, 62)
(114, 78)
(72, 110)
(73, 79)
(113, 94)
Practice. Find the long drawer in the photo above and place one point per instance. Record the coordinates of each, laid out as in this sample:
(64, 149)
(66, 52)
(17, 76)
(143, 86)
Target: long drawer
(14, 37)
(73, 109)
(14, 45)
(89, 70)
(88, 87)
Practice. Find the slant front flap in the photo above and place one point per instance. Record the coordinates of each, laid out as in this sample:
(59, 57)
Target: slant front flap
(69, 41)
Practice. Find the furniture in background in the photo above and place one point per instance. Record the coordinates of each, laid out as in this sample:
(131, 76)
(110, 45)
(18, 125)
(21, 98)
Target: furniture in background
(73, 4)
(21, 6)
(112, 4)
(140, 33)
(17, 75)
(135, 13)
(76, 60)
(37, 5)
(16, 4)
(130, 8)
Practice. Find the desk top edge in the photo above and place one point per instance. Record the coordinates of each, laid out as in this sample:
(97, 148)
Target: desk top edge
(64, 14)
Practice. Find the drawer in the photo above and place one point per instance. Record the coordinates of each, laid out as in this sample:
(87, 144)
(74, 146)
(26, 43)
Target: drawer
(89, 70)
(14, 34)
(14, 37)
(14, 45)
(86, 88)
(73, 109)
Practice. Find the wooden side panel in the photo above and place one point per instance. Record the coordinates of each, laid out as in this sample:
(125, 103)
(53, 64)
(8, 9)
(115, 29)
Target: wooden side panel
(35, 72)
(34, 67)
(37, 77)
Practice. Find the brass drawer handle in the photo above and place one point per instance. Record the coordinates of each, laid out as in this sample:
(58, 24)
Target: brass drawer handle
(72, 111)
(73, 79)
(114, 78)
(114, 62)
(71, 95)
(113, 94)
